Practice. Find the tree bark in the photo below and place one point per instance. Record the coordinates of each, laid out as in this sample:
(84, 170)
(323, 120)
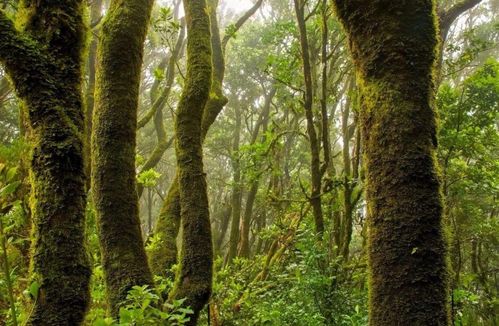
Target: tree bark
(445, 20)
(194, 279)
(244, 244)
(236, 190)
(393, 44)
(44, 63)
(95, 16)
(169, 218)
(315, 169)
(120, 50)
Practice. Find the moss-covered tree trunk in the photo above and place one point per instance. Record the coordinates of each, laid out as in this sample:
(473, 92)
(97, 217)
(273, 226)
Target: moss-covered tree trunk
(164, 256)
(119, 62)
(166, 228)
(194, 278)
(95, 16)
(393, 44)
(44, 61)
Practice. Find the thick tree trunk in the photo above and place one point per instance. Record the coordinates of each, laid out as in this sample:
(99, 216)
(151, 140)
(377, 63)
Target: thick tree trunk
(195, 274)
(113, 143)
(393, 44)
(45, 68)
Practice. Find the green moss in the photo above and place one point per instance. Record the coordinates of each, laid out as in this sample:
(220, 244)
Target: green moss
(194, 278)
(44, 63)
(167, 228)
(164, 255)
(120, 49)
(393, 46)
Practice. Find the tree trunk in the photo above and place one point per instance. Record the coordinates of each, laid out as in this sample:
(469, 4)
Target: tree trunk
(163, 256)
(347, 135)
(158, 103)
(393, 44)
(236, 190)
(224, 226)
(95, 16)
(44, 63)
(445, 20)
(315, 169)
(195, 274)
(168, 223)
(113, 143)
(244, 245)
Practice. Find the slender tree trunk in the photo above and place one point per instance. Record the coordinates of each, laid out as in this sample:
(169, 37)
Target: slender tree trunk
(244, 244)
(236, 190)
(157, 108)
(95, 16)
(315, 169)
(326, 144)
(393, 44)
(347, 135)
(44, 63)
(113, 143)
(195, 274)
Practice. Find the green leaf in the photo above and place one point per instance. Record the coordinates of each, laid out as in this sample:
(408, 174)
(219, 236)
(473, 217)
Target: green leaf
(11, 173)
(9, 189)
(159, 74)
(33, 289)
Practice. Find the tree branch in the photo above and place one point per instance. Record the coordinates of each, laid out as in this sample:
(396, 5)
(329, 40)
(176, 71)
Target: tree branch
(240, 22)
(19, 54)
(447, 17)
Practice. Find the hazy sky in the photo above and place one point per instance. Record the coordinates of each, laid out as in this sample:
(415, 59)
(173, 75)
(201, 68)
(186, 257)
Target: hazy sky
(235, 5)
(238, 5)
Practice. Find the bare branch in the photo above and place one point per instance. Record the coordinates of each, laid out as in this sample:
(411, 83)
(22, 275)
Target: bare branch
(449, 16)
(240, 22)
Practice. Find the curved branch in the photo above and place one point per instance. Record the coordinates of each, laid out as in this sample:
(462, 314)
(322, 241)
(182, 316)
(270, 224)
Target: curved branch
(449, 16)
(240, 22)
(160, 101)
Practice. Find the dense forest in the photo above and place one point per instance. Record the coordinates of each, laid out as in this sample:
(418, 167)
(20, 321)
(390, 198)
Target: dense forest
(249, 162)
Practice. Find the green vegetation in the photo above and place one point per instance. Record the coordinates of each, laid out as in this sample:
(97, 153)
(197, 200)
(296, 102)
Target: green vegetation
(256, 162)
